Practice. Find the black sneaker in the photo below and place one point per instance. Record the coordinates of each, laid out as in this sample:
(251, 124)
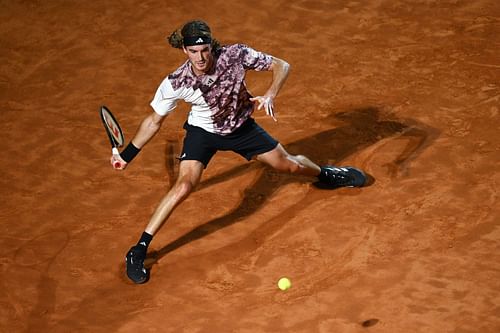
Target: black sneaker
(335, 177)
(135, 264)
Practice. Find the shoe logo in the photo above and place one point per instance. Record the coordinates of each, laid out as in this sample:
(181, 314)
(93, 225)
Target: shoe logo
(143, 243)
(183, 155)
(199, 40)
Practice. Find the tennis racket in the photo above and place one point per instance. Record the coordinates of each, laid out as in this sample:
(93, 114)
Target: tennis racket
(114, 132)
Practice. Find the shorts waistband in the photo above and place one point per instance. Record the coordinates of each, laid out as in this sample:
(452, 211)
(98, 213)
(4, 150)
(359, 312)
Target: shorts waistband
(246, 125)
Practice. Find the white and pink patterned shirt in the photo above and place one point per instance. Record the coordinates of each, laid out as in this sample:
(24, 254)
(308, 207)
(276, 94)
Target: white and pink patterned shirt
(220, 101)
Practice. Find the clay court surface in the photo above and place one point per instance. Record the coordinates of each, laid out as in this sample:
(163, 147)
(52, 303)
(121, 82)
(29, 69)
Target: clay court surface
(407, 90)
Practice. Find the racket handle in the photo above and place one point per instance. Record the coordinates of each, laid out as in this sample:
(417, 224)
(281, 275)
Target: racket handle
(117, 164)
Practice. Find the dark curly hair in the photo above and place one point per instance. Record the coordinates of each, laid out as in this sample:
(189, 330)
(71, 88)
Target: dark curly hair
(192, 29)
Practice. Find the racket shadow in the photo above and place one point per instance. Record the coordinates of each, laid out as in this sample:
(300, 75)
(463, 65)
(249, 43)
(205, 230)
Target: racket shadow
(171, 154)
(362, 128)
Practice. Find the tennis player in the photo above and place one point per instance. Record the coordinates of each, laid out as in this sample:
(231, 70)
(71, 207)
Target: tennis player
(212, 80)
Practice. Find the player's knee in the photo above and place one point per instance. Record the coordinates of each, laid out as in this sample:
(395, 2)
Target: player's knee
(300, 159)
(288, 164)
(183, 188)
(295, 163)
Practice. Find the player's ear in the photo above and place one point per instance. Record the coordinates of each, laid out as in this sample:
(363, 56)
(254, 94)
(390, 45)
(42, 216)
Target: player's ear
(185, 50)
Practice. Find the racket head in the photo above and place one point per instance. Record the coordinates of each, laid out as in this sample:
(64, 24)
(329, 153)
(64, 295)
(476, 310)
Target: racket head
(112, 127)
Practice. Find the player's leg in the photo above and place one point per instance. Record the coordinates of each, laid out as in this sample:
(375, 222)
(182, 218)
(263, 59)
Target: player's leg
(190, 172)
(331, 176)
(281, 160)
(196, 154)
(253, 142)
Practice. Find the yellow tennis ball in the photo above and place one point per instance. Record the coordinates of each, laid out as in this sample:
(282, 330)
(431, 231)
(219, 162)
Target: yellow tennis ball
(284, 283)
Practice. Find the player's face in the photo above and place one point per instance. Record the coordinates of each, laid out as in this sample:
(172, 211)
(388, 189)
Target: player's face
(200, 57)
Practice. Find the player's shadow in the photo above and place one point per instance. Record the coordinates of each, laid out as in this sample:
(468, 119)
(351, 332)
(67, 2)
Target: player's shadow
(358, 129)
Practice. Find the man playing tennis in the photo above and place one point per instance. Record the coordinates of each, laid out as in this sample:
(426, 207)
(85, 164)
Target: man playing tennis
(212, 81)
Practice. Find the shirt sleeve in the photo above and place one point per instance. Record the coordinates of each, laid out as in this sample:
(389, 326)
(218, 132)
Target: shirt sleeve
(165, 99)
(255, 60)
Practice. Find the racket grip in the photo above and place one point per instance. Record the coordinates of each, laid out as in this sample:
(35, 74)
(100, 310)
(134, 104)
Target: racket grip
(116, 164)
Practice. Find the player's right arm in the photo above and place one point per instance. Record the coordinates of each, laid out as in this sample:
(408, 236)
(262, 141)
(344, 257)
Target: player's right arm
(164, 102)
(147, 130)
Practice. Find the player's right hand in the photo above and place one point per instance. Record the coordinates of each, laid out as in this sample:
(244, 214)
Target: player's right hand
(117, 162)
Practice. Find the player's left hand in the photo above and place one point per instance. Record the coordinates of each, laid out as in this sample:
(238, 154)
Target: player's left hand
(267, 102)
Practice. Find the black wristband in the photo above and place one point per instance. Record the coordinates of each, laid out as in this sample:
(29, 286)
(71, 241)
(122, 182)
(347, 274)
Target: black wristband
(129, 152)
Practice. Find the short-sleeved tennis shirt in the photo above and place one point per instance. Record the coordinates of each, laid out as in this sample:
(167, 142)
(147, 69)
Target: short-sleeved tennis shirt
(220, 101)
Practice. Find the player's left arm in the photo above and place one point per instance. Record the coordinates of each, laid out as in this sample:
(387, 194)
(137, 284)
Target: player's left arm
(280, 69)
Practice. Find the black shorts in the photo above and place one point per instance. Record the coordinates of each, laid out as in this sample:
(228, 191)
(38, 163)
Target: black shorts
(248, 140)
